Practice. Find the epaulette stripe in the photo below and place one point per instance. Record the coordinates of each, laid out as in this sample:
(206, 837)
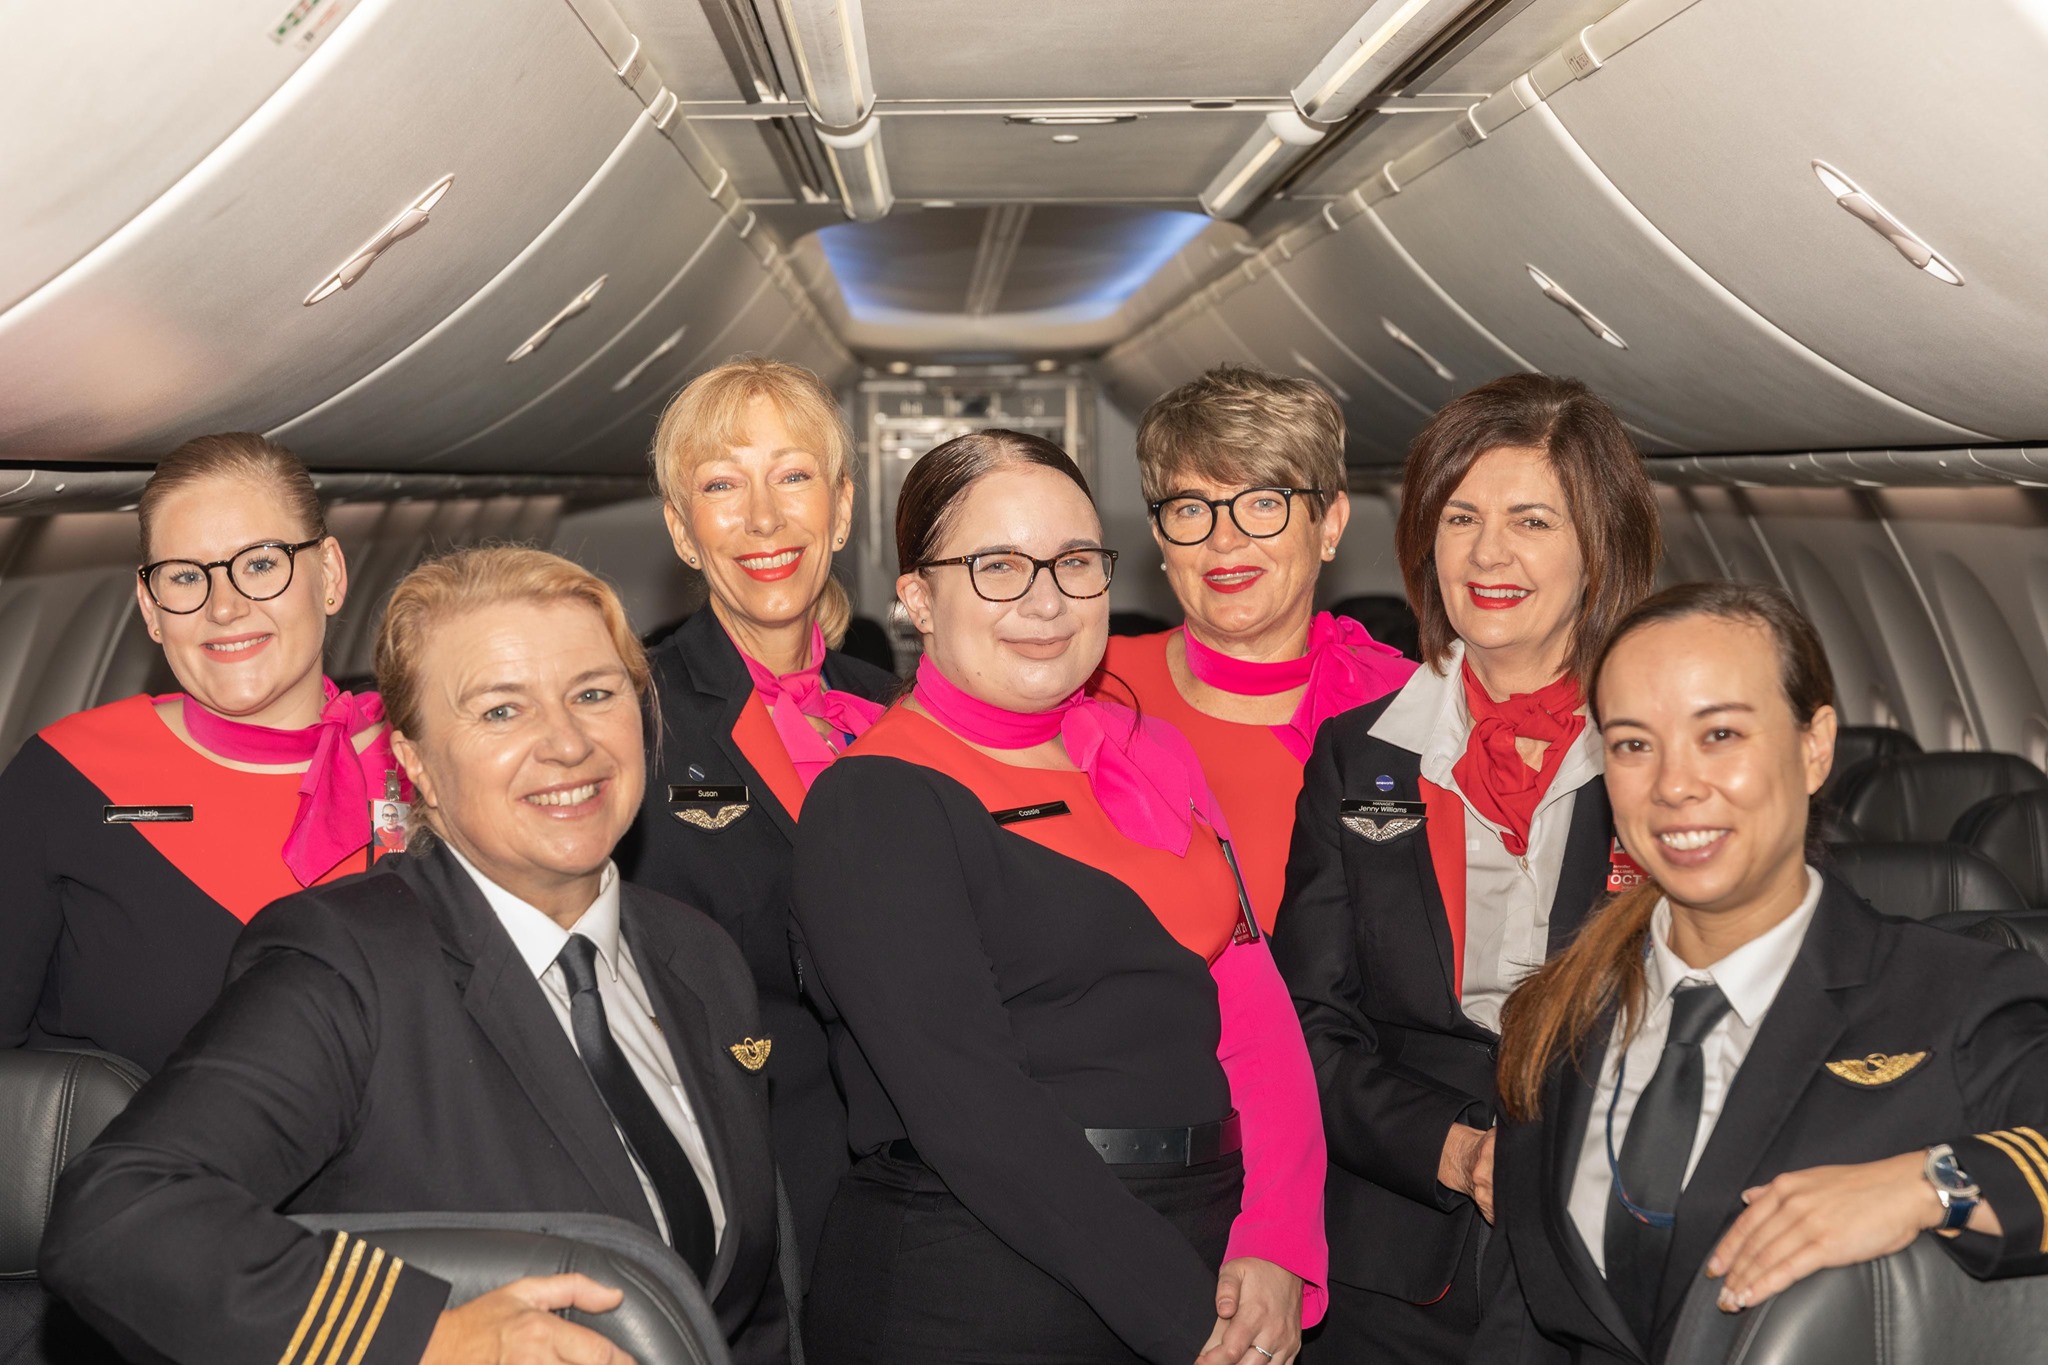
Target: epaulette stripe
(377, 1313)
(355, 1310)
(334, 1302)
(313, 1305)
(2021, 1160)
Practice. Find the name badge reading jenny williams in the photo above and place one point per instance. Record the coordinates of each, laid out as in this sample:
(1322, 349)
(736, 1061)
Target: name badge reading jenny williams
(1382, 821)
(1017, 814)
(145, 815)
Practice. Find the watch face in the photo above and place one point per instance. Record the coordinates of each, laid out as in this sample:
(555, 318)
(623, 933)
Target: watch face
(1943, 1170)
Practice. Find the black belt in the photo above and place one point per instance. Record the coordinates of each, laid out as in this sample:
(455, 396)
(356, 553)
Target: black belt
(1196, 1146)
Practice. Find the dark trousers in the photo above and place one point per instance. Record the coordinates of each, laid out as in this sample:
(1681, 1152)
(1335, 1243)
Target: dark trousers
(1365, 1328)
(907, 1276)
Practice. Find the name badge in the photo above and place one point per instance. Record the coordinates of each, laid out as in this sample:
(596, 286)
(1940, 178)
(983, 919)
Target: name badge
(145, 815)
(1382, 820)
(1018, 814)
(1623, 871)
(389, 821)
(694, 792)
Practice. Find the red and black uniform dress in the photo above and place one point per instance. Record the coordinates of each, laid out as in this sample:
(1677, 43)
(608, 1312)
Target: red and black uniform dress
(1002, 968)
(120, 911)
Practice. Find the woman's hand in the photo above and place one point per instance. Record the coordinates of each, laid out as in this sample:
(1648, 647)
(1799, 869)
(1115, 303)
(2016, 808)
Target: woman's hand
(516, 1325)
(1466, 1165)
(1258, 1315)
(1808, 1220)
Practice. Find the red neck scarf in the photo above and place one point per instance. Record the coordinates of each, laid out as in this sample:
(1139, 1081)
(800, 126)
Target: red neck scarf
(333, 819)
(791, 698)
(1492, 774)
(1342, 668)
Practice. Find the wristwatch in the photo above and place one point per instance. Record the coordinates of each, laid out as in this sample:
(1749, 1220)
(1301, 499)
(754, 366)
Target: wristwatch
(1958, 1194)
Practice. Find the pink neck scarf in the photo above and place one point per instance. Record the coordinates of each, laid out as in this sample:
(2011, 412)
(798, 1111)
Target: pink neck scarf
(333, 819)
(1142, 772)
(1344, 667)
(791, 698)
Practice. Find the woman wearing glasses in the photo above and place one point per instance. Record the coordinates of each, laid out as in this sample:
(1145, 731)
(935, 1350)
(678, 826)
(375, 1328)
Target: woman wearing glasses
(1084, 1124)
(1244, 472)
(146, 832)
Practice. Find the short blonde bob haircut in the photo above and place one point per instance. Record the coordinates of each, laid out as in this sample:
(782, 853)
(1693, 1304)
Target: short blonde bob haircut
(709, 418)
(1239, 426)
(481, 578)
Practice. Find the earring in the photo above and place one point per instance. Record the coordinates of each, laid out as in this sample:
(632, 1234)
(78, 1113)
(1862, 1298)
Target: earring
(1329, 552)
(693, 563)
(330, 601)
(1162, 566)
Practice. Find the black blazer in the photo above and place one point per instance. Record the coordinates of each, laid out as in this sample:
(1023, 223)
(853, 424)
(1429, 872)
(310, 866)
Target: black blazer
(739, 875)
(1862, 984)
(1365, 946)
(381, 1047)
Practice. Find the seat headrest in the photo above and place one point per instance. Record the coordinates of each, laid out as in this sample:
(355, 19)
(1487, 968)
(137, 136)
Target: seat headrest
(1918, 797)
(1916, 1305)
(2026, 930)
(1920, 881)
(52, 1105)
(663, 1320)
(1856, 745)
(2011, 831)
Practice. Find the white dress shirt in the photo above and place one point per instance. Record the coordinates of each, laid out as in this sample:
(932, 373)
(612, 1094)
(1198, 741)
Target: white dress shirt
(628, 1010)
(1750, 977)
(1507, 898)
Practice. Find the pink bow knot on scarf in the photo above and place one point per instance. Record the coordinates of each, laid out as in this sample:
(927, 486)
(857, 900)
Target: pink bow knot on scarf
(793, 698)
(1343, 667)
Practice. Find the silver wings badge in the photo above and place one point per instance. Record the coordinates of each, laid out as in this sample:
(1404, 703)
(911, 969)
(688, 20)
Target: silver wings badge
(1380, 831)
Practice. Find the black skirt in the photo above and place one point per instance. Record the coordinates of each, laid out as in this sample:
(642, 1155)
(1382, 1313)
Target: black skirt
(906, 1275)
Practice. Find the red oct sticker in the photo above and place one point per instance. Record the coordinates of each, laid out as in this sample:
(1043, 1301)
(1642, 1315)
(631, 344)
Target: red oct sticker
(1623, 872)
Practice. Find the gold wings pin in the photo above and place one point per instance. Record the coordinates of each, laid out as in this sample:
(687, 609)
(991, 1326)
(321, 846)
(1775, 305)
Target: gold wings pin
(1877, 1069)
(1380, 831)
(704, 819)
(752, 1053)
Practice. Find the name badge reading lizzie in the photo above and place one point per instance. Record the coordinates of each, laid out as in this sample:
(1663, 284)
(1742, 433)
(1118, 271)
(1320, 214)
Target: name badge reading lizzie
(1017, 814)
(1382, 821)
(145, 815)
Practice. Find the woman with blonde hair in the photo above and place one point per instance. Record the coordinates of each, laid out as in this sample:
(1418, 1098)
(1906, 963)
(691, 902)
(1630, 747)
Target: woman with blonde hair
(754, 464)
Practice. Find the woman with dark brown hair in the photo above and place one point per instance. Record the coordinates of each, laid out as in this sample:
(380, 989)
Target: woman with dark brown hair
(1449, 838)
(1738, 1066)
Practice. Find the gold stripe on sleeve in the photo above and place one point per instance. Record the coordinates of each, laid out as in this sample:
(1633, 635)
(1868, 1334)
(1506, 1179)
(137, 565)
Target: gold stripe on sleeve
(313, 1305)
(377, 1313)
(334, 1302)
(2020, 1159)
(355, 1310)
(2033, 1144)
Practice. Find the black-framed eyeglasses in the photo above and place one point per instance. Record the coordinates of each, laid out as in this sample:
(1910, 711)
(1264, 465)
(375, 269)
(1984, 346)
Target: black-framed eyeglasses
(1260, 513)
(1005, 575)
(259, 572)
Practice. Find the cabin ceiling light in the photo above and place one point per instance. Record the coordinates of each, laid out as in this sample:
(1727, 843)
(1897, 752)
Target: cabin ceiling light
(830, 43)
(1385, 36)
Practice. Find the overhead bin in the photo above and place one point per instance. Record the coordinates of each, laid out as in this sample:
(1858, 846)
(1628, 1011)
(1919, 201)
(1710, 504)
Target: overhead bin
(450, 134)
(588, 276)
(1195, 343)
(1524, 231)
(1934, 113)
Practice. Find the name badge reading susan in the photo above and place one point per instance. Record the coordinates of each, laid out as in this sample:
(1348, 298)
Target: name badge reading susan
(1382, 821)
(1018, 814)
(145, 815)
(730, 802)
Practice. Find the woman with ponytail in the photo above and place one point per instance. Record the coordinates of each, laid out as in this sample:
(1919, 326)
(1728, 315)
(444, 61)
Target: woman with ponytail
(1738, 1068)
(1450, 837)
(1085, 1120)
(753, 460)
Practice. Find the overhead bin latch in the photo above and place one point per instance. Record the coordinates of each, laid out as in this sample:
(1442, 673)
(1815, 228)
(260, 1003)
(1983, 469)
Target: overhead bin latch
(410, 219)
(1878, 219)
(1578, 310)
(547, 329)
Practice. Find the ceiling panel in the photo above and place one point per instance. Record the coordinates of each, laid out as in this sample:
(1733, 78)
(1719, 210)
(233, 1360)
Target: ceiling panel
(1158, 157)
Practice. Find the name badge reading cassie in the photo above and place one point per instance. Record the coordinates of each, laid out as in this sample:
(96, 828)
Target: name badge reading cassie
(145, 815)
(1018, 814)
(1382, 821)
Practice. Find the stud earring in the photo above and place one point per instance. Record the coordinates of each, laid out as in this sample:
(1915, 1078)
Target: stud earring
(1329, 552)
(330, 601)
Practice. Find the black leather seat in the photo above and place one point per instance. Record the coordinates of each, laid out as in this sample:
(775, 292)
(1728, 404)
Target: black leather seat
(1920, 881)
(52, 1105)
(1917, 1307)
(664, 1319)
(2011, 831)
(1856, 745)
(1919, 797)
(2026, 930)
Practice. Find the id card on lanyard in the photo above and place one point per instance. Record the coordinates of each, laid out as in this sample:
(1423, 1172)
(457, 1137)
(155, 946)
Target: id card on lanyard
(390, 819)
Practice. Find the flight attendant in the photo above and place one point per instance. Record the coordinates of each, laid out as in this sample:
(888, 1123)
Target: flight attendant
(1451, 836)
(1739, 1068)
(752, 461)
(1075, 1085)
(1244, 473)
(146, 832)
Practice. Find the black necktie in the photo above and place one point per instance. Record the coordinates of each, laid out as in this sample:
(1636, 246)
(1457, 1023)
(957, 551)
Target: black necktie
(675, 1180)
(1654, 1155)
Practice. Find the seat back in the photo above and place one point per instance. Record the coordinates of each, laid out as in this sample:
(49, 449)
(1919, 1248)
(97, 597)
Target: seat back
(1920, 881)
(1919, 797)
(2011, 831)
(1916, 1307)
(52, 1105)
(1856, 745)
(2026, 930)
(663, 1320)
